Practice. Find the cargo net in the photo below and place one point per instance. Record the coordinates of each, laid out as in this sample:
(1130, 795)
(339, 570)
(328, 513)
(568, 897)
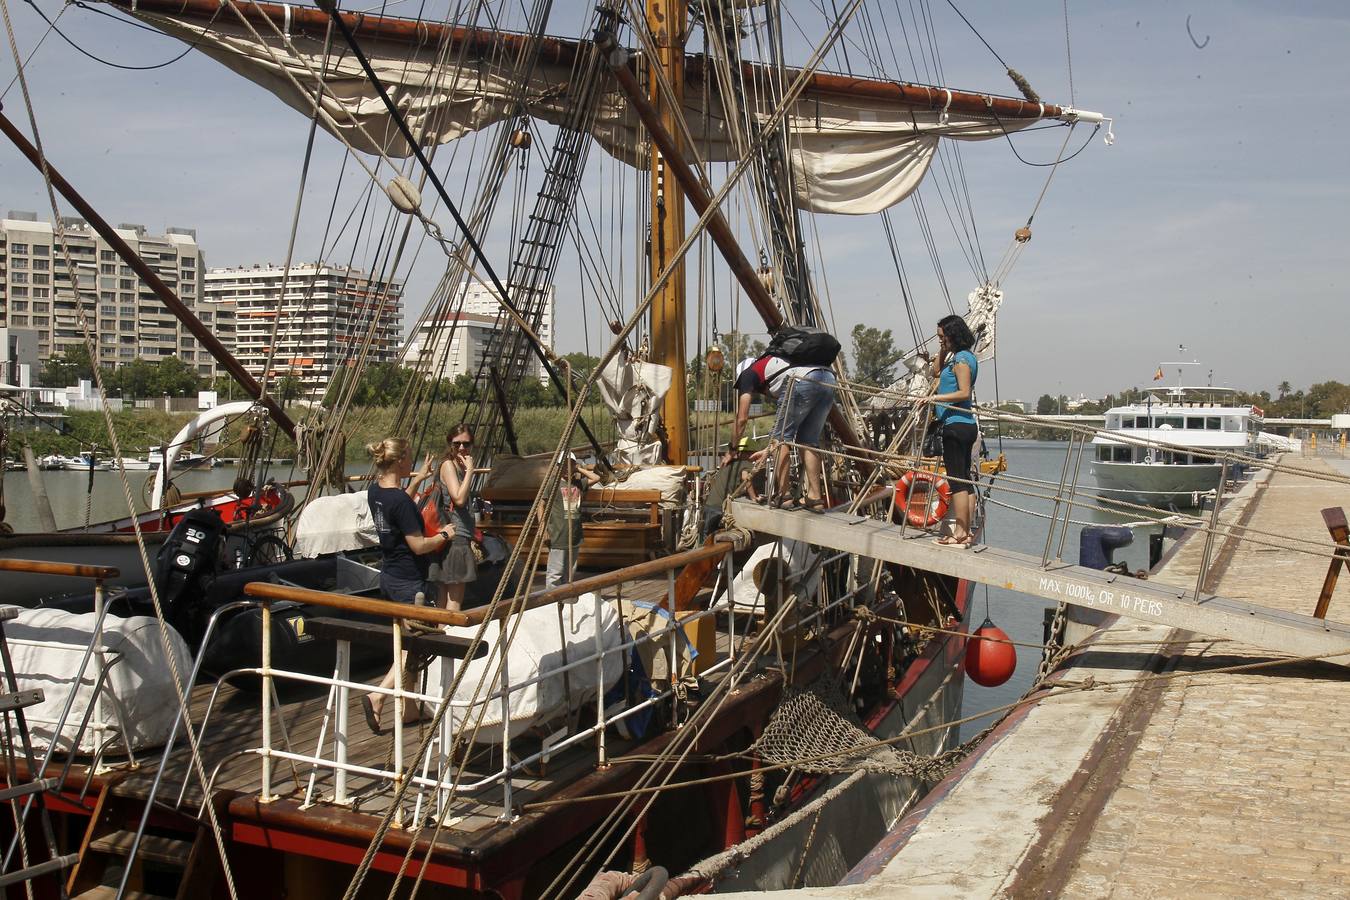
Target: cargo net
(811, 734)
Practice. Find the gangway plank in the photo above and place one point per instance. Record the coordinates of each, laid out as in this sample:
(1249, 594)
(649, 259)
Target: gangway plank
(1149, 601)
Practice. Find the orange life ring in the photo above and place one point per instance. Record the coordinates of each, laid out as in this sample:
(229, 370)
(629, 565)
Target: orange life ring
(935, 511)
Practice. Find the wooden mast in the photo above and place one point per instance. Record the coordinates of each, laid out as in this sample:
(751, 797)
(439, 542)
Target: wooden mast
(666, 20)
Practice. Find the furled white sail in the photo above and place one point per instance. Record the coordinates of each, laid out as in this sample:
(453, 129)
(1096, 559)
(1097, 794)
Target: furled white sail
(982, 320)
(633, 390)
(853, 156)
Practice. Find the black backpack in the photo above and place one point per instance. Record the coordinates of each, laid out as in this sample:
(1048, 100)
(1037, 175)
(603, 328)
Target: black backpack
(802, 345)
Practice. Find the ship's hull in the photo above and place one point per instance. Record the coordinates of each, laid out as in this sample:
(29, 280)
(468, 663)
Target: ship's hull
(822, 828)
(833, 832)
(1156, 484)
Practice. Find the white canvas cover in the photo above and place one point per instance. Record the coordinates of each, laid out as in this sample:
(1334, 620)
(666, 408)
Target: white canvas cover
(140, 681)
(669, 480)
(334, 524)
(851, 156)
(746, 597)
(537, 649)
(514, 472)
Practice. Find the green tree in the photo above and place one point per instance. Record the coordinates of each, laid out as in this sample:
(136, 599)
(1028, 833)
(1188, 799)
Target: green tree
(464, 388)
(1046, 406)
(176, 378)
(137, 378)
(382, 384)
(1328, 398)
(581, 364)
(534, 393)
(1284, 389)
(227, 388)
(874, 355)
(67, 368)
(287, 388)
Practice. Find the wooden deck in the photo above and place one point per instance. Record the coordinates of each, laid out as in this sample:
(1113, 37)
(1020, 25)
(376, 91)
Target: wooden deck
(234, 729)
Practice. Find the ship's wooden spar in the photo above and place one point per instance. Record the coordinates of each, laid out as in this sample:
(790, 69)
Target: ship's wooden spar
(698, 198)
(487, 43)
(148, 276)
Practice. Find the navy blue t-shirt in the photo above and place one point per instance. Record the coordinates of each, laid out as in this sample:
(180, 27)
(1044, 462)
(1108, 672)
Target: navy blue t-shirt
(396, 515)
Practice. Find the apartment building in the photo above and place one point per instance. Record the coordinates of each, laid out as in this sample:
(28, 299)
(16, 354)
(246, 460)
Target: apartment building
(473, 327)
(37, 292)
(18, 357)
(325, 316)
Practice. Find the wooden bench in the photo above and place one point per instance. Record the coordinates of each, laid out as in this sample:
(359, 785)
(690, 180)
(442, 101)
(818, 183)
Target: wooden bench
(383, 635)
(618, 527)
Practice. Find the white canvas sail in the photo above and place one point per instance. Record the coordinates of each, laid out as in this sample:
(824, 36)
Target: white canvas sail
(854, 155)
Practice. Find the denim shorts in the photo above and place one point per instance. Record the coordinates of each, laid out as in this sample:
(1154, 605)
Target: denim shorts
(404, 590)
(805, 406)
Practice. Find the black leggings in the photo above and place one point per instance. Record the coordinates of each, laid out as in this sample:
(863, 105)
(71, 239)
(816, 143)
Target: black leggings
(958, 439)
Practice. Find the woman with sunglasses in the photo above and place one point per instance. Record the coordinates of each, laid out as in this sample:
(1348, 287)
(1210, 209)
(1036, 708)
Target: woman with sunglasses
(454, 499)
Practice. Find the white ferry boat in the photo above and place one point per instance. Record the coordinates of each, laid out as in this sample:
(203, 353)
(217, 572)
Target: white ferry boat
(1195, 424)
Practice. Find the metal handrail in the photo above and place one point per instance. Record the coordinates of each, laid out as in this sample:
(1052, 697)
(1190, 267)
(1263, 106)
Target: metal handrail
(267, 592)
(99, 574)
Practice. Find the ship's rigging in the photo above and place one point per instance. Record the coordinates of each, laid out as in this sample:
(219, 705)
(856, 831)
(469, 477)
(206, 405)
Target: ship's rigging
(796, 142)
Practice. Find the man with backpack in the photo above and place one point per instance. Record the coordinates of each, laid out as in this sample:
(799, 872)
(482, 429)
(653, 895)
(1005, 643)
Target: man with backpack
(795, 371)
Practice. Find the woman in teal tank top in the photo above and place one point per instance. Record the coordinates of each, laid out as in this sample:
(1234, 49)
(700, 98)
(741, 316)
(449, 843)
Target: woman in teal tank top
(956, 368)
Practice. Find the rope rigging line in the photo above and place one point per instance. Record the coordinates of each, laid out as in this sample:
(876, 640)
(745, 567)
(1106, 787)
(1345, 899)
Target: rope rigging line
(91, 346)
(565, 438)
(51, 24)
(1038, 693)
(37, 45)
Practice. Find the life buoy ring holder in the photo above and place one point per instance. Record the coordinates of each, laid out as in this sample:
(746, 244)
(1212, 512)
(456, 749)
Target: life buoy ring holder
(931, 512)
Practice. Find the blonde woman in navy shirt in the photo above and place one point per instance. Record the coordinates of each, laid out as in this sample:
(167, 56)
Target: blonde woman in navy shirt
(404, 550)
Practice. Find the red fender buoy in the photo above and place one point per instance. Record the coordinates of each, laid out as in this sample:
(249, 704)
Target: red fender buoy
(990, 658)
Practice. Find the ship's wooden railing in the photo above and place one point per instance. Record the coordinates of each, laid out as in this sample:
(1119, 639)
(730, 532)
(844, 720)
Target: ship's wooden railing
(99, 574)
(435, 769)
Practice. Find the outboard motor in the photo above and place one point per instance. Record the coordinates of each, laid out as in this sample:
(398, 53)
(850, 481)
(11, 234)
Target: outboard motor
(186, 564)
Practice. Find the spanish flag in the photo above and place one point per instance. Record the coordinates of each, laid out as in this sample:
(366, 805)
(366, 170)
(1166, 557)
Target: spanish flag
(1158, 375)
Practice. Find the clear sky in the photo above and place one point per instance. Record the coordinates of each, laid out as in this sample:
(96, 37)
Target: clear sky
(1218, 220)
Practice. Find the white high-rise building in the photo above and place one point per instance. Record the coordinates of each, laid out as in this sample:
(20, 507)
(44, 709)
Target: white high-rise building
(326, 318)
(131, 323)
(468, 332)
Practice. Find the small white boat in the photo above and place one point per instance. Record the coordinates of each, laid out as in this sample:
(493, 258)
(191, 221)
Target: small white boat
(84, 462)
(1161, 452)
(132, 464)
(155, 459)
(54, 462)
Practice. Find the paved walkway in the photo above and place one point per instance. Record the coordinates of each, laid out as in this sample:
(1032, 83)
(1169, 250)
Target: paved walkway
(1240, 783)
(1224, 784)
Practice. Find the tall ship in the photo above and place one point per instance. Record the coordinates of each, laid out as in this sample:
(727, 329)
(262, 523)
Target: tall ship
(699, 710)
(1162, 450)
